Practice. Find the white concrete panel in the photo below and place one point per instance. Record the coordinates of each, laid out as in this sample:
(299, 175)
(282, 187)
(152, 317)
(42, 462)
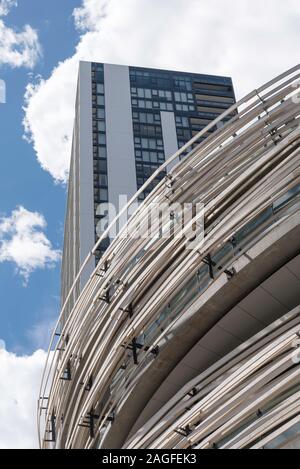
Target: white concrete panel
(294, 266)
(199, 358)
(219, 341)
(285, 287)
(119, 133)
(240, 324)
(263, 306)
(86, 191)
(169, 136)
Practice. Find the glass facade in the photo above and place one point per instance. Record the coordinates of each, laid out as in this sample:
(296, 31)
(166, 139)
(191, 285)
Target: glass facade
(194, 99)
(99, 148)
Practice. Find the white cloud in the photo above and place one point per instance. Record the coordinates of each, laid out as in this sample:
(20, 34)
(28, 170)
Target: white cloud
(250, 40)
(50, 132)
(40, 334)
(6, 5)
(20, 379)
(17, 48)
(90, 14)
(23, 242)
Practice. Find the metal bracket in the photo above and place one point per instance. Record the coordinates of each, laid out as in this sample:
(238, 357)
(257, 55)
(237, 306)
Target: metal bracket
(106, 297)
(90, 423)
(230, 273)
(208, 261)
(101, 272)
(67, 374)
(52, 430)
(186, 431)
(193, 392)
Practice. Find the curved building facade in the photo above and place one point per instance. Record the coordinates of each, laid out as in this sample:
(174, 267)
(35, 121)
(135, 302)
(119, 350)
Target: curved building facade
(190, 339)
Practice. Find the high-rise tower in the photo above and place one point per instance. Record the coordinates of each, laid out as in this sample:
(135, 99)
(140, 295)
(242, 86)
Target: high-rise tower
(172, 343)
(128, 121)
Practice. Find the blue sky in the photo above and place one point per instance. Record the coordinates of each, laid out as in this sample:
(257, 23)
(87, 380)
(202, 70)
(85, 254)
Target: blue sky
(114, 32)
(22, 180)
(41, 43)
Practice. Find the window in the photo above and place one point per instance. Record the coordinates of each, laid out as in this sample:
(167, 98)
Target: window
(143, 93)
(153, 157)
(162, 83)
(164, 94)
(103, 166)
(150, 118)
(151, 143)
(100, 114)
(103, 180)
(161, 157)
(147, 130)
(146, 156)
(178, 96)
(102, 152)
(142, 117)
(185, 133)
(139, 168)
(103, 194)
(182, 107)
(98, 67)
(100, 100)
(102, 139)
(185, 107)
(183, 84)
(145, 143)
(146, 118)
(101, 126)
(100, 88)
(182, 121)
(184, 97)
